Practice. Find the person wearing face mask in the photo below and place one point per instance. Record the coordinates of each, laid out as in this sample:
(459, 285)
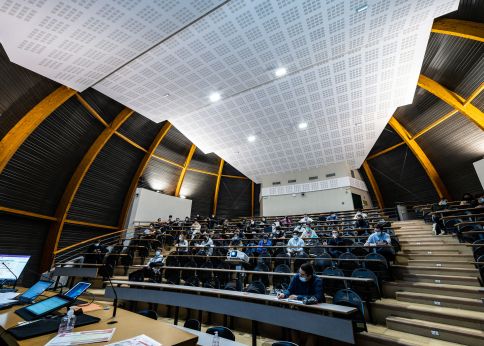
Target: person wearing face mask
(437, 224)
(358, 214)
(306, 219)
(304, 285)
(336, 240)
(381, 239)
(207, 243)
(265, 241)
(295, 245)
(480, 201)
(182, 245)
(307, 232)
(360, 222)
(156, 260)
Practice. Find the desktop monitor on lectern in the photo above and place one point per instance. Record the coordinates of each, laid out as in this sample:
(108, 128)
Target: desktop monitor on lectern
(11, 266)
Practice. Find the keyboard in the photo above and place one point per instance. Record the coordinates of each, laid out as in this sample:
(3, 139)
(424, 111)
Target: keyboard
(6, 290)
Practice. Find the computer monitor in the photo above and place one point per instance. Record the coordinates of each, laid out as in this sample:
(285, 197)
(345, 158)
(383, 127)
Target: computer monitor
(12, 264)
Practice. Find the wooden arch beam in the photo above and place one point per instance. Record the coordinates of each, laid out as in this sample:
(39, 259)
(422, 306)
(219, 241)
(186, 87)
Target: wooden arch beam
(422, 157)
(459, 28)
(217, 186)
(374, 185)
(72, 187)
(29, 122)
(139, 172)
(184, 170)
(454, 100)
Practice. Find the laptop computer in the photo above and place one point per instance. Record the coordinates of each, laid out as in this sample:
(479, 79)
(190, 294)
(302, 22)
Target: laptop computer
(30, 295)
(52, 304)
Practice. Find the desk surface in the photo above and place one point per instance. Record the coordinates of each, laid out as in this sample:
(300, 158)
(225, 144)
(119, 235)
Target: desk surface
(205, 339)
(129, 325)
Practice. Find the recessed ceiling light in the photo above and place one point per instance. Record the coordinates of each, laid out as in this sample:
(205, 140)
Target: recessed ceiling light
(302, 126)
(362, 8)
(251, 138)
(281, 71)
(214, 97)
(166, 95)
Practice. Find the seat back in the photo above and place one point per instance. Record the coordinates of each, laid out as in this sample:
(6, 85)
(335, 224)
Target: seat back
(223, 332)
(369, 292)
(332, 286)
(193, 324)
(348, 297)
(149, 313)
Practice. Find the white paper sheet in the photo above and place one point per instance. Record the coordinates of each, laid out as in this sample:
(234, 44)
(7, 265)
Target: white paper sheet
(140, 340)
(81, 338)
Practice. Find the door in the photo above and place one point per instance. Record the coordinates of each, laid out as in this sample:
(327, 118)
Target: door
(357, 203)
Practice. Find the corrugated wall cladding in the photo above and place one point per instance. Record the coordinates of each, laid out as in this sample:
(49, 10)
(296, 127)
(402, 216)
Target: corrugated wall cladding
(199, 188)
(101, 194)
(175, 146)
(24, 236)
(450, 59)
(401, 178)
(472, 10)
(106, 107)
(209, 162)
(387, 138)
(452, 147)
(20, 91)
(234, 198)
(38, 173)
(72, 234)
(160, 176)
(140, 130)
(425, 109)
(230, 170)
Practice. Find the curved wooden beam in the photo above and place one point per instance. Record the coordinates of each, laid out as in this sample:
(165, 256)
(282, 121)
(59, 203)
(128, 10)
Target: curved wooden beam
(374, 185)
(454, 100)
(217, 186)
(184, 170)
(384, 151)
(139, 172)
(29, 122)
(70, 191)
(459, 28)
(422, 157)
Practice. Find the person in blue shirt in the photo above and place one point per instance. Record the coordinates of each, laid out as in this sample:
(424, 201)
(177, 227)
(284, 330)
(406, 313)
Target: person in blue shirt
(265, 241)
(381, 239)
(304, 285)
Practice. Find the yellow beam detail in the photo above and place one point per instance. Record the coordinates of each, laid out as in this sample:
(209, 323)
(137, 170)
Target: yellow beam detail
(422, 157)
(454, 100)
(26, 213)
(167, 161)
(134, 144)
(201, 171)
(459, 28)
(374, 185)
(385, 151)
(29, 122)
(217, 186)
(233, 176)
(139, 172)
(184, 170)
(91, 110)
(55, 230)
(89, 224)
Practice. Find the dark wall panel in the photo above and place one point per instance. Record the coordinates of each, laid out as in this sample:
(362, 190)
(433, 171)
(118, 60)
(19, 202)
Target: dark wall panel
(401, 178)
(72, 234)
(209, 162)
(230, 170)
(140, 130)
(22, 236)
(200, 189)
(387, 138)
(234, 198)
(101, 194)
(160, 176)
(257, 188)
(20, 91)
(175, 146)
(106, 107)
(38, 173)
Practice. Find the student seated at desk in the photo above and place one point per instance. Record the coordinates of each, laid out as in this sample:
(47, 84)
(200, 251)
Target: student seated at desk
(285, 221)
(360, 221)
(358, 214)
(380, 237)
(306, 219)
(207, 244)
(304, 285)
(480, 201)
(295, 244)
(156, 260)
(182, 244)
(307, 232)
(265, 241)
(437, 224)
(336, 240)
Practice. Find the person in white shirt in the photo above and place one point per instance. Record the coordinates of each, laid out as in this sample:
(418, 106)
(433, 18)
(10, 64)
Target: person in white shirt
(295, 245)
(307, 232)
(306, 219)
(358, 213)
(207, 243)
(196, 227)
(182, 245)
(156, 259)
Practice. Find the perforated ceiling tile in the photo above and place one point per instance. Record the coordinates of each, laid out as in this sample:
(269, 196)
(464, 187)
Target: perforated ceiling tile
(349, 65)
(77, 43)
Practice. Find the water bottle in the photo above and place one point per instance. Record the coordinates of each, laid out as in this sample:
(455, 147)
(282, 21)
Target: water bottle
(216, 340)
(67, 322)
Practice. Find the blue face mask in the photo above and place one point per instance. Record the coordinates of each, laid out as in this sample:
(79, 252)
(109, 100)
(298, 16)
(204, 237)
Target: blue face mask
(303, 279)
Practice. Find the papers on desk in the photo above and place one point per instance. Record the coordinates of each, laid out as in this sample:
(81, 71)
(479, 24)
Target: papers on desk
(7, 297)
(140, 340)
(295, 301)
(81, 338)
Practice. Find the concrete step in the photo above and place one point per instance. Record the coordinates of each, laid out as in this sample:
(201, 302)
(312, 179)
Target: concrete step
(426, 239)
(440, 252)
(434, 270)
(442, 279)
(435, 249)
(439, 331)
(391, 288)
(446, 263)
(384, 308)
(442, 301)
(382, 336)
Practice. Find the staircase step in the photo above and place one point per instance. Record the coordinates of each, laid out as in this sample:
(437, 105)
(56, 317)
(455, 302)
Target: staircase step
(391, 288)
(457, 317)
(443, 279)
(382, 336)
(427, 250)
(435, 270)
(439, 331)
(437, 257)
(440, 300)
(446, 263)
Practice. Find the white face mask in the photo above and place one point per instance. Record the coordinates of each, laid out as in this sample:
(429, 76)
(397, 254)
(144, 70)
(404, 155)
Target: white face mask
(481, 200)
(335, 235)
(180, 238)
(303, 279)
(157, 253)
(295, 236)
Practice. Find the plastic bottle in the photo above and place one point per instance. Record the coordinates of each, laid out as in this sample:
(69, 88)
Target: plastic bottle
(67, 322)
(216, 339)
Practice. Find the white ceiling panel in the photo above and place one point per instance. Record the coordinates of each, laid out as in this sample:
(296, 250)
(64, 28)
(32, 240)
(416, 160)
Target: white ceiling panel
(79, 42)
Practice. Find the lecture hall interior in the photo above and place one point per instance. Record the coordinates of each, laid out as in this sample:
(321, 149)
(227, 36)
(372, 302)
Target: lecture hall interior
(242, 172)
